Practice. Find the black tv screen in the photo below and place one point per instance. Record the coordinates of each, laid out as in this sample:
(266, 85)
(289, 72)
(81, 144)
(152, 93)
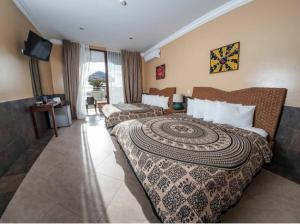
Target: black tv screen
(37, 47)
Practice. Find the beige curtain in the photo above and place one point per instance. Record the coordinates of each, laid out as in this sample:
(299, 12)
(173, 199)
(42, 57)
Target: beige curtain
(71, 73)
(35, 77)
(132, 76)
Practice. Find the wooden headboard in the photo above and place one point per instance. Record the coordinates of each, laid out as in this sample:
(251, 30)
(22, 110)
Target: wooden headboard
(268, 101)
(168, 92)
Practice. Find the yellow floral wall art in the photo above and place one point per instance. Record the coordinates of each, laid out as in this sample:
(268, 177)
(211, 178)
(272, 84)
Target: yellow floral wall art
(225, 58)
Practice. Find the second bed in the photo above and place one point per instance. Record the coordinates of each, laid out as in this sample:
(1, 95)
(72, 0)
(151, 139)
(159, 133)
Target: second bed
(116, 113)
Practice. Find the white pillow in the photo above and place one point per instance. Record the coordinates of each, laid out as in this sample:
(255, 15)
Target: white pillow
(155, 100)
(145, 99)
(148, 99)
(236, 115)
(259, 131)
(162, 101)
(225, 112)
(190, 107)
(209, 110)
(199, 108)
(246, 115)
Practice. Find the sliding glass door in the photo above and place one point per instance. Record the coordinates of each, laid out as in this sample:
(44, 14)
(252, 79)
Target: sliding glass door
(97, 78)
(102, 81)
(115, 78)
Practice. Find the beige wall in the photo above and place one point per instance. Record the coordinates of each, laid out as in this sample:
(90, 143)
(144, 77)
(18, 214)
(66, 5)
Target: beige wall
(56, 61)
(15, 81)
(46, 77)
(269, 33)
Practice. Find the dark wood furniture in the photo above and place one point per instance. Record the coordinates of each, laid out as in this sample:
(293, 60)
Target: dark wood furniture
(43, 108)
(172, 111)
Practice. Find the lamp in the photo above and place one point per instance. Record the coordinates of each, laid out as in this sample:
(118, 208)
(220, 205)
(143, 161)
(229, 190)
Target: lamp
(177, 102)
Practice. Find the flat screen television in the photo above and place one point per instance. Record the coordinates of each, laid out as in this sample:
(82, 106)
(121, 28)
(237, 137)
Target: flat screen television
(37, 47)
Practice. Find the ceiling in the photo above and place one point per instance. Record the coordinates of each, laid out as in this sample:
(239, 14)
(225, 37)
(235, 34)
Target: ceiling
(109, 24)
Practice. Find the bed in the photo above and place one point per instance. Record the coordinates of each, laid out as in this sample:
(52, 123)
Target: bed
(193, 170)
(116, 113)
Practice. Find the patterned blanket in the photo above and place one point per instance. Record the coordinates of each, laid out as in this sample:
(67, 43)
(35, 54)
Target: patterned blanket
(116, 113)
(191, 170)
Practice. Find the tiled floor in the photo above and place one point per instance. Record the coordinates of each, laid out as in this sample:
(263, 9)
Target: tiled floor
(14, 176)
(83, 176)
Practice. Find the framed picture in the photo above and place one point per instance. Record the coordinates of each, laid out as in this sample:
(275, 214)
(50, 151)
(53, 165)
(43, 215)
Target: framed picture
(160, 72)
(225, 58)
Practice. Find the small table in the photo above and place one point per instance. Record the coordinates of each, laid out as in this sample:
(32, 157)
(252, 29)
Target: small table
(43, 108)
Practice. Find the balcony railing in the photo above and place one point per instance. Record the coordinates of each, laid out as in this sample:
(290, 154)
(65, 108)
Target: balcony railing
(98, 93)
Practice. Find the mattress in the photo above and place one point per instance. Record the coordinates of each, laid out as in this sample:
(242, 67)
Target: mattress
(191, 170)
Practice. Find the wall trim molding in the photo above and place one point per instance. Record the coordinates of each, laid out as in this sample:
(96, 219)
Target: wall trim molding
(23, 9)
(215, 13)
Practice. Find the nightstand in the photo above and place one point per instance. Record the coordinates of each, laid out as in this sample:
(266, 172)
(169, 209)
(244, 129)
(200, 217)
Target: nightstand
(179, 111)
(172, 111)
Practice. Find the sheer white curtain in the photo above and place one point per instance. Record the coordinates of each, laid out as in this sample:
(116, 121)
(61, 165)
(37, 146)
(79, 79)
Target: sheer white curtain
(84, 71)
(115, 79)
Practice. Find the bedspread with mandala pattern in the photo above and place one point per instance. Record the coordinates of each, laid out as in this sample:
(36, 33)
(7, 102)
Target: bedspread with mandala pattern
(116, 113)
(191, 170)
